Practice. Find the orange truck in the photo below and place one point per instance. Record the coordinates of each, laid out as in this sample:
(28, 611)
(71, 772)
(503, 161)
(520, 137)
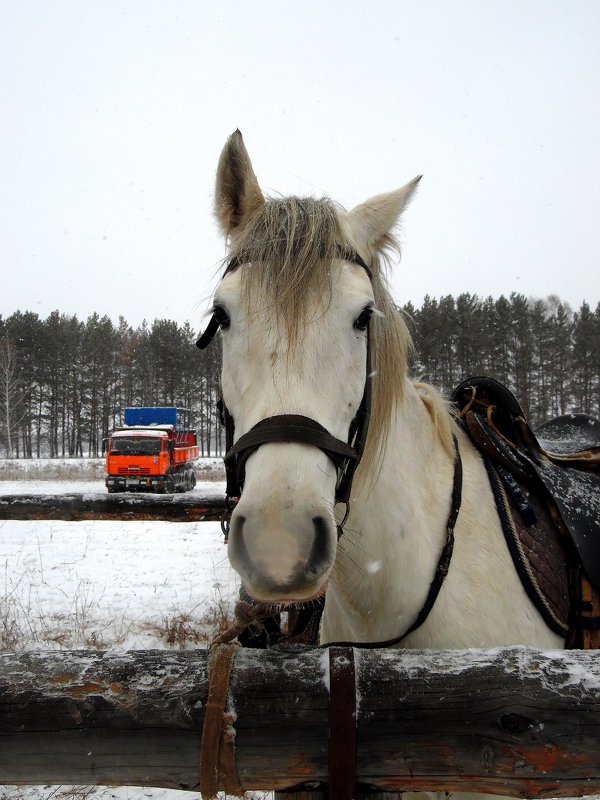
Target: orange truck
(154, 451)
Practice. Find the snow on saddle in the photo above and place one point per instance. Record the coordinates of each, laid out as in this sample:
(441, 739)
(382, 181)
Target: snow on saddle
(547, 489)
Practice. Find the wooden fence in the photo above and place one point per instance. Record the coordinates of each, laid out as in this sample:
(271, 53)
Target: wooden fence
(77, 507)
(514, 721)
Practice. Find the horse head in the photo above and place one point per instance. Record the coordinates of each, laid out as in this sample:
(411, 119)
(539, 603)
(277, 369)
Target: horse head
(299, 306)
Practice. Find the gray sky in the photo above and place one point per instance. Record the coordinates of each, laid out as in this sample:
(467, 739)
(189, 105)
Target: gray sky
(113, 115)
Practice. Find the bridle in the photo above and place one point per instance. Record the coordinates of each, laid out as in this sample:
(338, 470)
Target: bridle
(345, 455)
(294, 428)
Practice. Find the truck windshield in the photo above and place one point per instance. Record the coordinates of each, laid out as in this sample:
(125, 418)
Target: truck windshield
(135, 446)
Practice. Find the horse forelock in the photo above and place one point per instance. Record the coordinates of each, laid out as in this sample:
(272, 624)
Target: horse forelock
(287, 248)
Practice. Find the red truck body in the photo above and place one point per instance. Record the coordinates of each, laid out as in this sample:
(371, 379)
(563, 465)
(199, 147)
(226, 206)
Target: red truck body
(153, 454)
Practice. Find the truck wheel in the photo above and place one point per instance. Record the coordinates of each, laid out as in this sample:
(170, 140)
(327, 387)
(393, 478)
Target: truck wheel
(192, 481)
(169, 486)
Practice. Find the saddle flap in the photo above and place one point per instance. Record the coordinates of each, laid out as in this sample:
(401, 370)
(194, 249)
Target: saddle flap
(493, 445)
(576, 494)
(571, 437)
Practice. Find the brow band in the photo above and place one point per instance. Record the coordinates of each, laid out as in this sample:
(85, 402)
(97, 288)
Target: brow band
(345, 254)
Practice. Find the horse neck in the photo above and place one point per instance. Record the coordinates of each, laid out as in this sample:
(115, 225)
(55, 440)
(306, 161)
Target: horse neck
(387, 556)
(394, 536)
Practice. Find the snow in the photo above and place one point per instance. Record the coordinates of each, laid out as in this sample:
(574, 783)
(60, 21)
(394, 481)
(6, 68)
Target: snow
(39, 487)
(122, 585)
(105, 584)
(570, 433)
(324, 663)
(118, 585)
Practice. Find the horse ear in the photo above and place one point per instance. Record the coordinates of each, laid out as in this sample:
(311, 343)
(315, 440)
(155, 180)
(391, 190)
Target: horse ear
(237, 193)
(371, 222)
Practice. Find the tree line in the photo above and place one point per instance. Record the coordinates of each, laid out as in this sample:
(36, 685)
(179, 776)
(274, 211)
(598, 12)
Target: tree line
(548, 355)
(64, 383)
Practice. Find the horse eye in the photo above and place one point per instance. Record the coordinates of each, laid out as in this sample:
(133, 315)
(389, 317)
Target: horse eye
(222, 317)
(363, 319)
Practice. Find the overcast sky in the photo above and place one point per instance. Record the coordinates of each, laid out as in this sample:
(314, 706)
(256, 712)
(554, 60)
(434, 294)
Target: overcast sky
(113, 115)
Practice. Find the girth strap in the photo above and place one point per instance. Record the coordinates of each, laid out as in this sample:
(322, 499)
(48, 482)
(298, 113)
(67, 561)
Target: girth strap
(284, 428)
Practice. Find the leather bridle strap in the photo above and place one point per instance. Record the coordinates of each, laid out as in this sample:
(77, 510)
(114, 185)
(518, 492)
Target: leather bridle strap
(284, 428)
(296, 428)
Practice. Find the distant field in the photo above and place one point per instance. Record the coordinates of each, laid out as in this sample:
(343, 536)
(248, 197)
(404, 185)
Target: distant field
(84, 469)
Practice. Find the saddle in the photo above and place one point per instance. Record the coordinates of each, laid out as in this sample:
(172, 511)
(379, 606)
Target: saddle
(547, 488)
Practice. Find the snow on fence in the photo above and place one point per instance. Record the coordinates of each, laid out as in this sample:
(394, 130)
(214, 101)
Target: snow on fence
(511, 721)
(78, 507)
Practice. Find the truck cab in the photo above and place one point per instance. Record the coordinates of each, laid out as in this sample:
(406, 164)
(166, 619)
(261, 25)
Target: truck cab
(149, 454)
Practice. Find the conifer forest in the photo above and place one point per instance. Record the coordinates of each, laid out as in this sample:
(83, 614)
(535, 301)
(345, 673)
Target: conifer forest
(64, 382)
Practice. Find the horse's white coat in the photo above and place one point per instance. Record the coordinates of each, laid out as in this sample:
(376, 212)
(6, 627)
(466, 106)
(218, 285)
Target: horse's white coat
(380, 575)
(287, 486)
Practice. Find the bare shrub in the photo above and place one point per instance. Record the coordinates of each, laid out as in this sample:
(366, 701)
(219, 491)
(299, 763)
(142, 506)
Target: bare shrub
(51, 469)
(183, 629)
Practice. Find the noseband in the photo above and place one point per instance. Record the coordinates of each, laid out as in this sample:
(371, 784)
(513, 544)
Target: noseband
(295, 428)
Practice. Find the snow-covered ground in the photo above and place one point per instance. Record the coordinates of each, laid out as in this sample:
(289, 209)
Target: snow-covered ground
(110, 584)
(202, 489)
(115, 584)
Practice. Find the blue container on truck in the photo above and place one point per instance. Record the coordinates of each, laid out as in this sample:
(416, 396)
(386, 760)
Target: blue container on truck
(157, 415)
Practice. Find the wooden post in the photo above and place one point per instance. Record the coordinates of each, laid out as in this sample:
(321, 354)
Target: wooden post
(518, 721)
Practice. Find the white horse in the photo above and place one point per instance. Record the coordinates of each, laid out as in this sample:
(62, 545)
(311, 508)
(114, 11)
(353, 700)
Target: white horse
(297, 308)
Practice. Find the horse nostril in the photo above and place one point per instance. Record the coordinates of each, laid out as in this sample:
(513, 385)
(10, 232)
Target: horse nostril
(236, 528)
(237, 524)
(322, 550)
(238, 553)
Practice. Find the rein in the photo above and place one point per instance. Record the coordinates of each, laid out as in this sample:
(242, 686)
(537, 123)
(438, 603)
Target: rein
(294, 428)
(441, 570)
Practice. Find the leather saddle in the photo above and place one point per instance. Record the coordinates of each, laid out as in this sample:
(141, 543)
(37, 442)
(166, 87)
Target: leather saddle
(558, 463)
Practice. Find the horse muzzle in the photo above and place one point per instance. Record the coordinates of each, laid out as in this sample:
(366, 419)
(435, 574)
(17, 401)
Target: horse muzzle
(282, 555)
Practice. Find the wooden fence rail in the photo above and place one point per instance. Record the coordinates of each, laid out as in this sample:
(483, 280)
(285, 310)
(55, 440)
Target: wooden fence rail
(77, 507)
(515, 721)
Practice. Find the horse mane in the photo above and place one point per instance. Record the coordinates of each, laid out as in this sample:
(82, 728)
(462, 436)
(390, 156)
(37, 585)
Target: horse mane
(290, 243)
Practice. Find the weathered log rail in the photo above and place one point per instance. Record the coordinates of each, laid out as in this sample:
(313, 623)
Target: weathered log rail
(79, 507)
(516, 721)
